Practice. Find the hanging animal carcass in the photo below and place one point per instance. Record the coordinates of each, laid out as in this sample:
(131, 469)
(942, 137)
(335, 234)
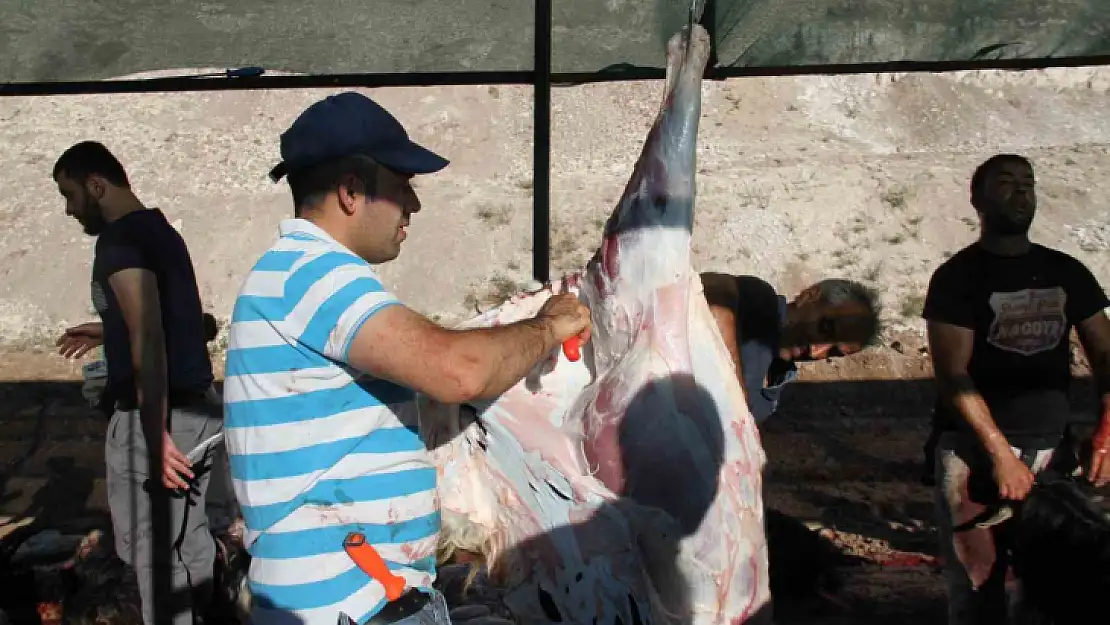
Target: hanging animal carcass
(624, 487)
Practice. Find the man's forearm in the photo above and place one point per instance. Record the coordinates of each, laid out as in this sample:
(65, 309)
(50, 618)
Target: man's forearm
(151, 388)
(1100, 369)
(136, 291)
(1101, 438)
(962, 395)
(726, 325)
(504, 354)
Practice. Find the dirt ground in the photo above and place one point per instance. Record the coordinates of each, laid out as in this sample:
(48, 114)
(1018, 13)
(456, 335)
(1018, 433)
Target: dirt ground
(844, 455)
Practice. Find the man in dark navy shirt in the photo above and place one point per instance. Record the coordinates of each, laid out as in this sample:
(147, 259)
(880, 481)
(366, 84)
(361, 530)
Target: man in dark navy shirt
(766, 335)
(999, 313)
(159, 377)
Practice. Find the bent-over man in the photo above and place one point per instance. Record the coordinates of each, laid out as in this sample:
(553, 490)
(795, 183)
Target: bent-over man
(767, 335)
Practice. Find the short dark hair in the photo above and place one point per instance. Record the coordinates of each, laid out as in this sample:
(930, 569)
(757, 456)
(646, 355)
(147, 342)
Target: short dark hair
(979, 176)
(89, 158)
(312, 184)
(838, 291)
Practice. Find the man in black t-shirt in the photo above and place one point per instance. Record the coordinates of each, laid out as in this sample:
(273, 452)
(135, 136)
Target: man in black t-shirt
(766, 335)
(159, 377)
(999, 313)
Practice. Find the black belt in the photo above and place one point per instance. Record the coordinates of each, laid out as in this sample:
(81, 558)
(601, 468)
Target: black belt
(405, 606)
(175, 399)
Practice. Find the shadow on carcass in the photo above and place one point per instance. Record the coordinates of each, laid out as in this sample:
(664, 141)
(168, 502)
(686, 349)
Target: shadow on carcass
(662, 502)
(626, 560)
(1059, 546)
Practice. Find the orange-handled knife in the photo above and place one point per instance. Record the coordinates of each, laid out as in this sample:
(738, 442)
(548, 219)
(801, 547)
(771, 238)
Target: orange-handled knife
(572, 348)
(367, 559)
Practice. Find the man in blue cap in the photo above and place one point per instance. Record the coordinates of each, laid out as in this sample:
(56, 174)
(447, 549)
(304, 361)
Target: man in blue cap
(322, 360)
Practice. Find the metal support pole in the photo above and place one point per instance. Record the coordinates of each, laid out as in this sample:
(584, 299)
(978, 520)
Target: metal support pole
(541, 145)
(709, 22)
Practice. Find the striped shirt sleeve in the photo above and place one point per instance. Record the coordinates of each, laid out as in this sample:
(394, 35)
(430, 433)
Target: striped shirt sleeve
(333, 308)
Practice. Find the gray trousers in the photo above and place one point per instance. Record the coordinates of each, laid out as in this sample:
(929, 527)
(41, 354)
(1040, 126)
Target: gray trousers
(222, 507)
(185, 559)
(981, 590)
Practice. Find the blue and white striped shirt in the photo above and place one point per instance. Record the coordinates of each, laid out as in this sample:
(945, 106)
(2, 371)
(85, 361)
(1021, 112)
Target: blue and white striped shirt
(317, 449)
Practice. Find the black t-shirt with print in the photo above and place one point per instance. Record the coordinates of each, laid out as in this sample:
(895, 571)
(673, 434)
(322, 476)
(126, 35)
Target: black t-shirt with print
(1022, 309)
(144, 239)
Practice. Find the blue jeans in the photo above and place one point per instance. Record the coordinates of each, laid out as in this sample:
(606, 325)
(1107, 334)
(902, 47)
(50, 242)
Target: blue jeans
(433, 613)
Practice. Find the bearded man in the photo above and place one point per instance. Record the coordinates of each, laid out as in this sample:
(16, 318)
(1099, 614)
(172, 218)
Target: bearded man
(998, 315)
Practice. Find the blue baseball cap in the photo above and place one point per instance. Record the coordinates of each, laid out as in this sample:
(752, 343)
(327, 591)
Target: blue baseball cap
(350, 123)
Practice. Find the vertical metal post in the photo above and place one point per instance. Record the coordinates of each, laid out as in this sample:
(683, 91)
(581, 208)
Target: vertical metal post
(541, 145)
(709, 22)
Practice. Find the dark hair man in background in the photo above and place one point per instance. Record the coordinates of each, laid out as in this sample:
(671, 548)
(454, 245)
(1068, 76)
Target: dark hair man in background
(159, 374)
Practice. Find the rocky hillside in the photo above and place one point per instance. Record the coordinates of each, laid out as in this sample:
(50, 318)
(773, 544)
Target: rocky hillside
(800, 178)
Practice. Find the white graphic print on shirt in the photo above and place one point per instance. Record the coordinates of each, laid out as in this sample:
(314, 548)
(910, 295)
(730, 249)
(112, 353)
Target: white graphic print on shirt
(99, 299)
(1029, 321)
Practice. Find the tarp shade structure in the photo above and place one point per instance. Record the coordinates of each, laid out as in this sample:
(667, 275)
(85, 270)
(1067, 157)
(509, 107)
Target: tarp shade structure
(92, 40)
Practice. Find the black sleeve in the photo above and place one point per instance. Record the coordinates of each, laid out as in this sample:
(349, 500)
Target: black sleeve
(121, 253)
(1085, 295)
(948, 298)
(757, 315)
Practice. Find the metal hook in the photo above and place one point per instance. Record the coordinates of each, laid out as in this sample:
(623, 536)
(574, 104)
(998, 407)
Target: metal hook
(697, 7)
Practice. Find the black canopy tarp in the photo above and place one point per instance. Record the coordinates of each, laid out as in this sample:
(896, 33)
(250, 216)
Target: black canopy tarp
(68, 40)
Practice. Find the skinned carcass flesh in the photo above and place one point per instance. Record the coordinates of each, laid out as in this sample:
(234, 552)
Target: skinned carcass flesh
(625, 487)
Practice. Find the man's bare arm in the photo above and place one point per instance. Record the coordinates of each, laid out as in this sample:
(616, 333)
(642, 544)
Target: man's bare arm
(951, 348)
(723, 298)
(451, 366)
(136, 291)
(726, 324)
(1094, 335)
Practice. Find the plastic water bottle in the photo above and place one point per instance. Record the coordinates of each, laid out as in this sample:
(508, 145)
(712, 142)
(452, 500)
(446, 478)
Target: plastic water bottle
(96, 379)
